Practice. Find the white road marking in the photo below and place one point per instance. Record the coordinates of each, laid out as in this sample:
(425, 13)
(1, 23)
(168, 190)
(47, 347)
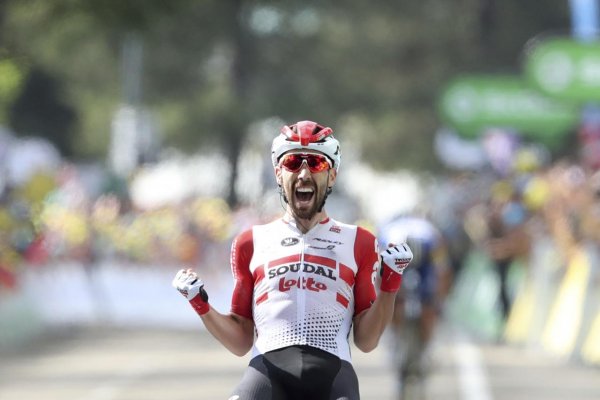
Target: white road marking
(472, 378)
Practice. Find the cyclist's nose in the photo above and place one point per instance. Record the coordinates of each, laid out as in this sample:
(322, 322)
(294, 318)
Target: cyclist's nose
(304, 172)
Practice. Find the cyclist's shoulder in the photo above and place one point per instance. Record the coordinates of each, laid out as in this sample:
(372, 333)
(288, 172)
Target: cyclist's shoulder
(361, 234)
(338, 226)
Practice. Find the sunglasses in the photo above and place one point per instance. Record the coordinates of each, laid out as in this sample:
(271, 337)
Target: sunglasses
(315, 162)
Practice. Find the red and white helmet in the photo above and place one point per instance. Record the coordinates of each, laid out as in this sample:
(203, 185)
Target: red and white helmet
(306, 135)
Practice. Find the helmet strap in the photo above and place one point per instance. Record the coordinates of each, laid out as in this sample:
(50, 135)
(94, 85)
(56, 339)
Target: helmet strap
(282, 194)
(327, 193)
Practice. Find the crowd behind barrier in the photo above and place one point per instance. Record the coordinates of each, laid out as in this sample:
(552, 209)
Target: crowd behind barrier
(531, 277)
(524, 244)
(64, 251)
(52, 218)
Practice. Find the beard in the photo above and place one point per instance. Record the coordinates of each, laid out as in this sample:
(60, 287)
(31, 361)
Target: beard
(305, 209)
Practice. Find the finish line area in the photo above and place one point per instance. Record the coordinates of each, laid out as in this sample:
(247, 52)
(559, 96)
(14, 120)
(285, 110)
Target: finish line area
(120, 364)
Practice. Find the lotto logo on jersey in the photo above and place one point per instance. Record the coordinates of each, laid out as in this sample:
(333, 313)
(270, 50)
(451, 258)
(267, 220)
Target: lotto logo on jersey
(304, 283)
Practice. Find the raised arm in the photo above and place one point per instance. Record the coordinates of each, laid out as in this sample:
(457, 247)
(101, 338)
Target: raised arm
(235, 332)
(236, 329)
(370, 322)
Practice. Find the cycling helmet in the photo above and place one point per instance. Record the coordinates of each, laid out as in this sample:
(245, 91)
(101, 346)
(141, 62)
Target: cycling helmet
(306, 135)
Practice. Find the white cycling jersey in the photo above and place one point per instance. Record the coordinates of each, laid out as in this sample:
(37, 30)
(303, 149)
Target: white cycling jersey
(303, 289)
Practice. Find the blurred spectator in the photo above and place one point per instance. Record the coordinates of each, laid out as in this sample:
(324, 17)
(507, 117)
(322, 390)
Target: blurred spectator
(507, 238)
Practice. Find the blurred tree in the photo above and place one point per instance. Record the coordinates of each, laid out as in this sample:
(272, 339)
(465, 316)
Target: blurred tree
(371, 70)
(41, 111)
(11, 78)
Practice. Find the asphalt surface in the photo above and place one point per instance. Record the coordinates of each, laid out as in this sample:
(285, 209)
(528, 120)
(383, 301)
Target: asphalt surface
(148, 364)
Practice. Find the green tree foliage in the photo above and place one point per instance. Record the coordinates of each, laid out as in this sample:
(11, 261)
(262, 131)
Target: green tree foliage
(11, 79)
(371, 70)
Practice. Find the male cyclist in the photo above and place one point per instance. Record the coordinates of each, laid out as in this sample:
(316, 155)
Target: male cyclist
(302, 282)
(424, 287)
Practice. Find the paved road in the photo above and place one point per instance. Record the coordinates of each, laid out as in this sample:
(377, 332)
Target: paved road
(173, 365)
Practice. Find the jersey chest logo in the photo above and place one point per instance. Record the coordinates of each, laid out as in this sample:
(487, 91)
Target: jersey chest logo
(289, 241)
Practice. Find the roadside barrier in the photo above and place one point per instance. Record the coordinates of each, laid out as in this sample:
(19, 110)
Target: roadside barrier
(534, 295)
(473, 302)
(19, 321)
(556, 306)
(566, 315)
(589, 349)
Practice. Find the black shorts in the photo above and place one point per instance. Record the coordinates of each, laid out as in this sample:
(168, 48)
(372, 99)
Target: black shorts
(297, 373)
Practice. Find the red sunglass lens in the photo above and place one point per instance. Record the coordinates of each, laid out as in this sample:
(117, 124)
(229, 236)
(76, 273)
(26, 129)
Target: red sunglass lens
(315, 162)
(292, 162)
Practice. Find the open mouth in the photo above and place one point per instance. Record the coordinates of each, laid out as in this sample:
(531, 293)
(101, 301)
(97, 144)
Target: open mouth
(304, 194)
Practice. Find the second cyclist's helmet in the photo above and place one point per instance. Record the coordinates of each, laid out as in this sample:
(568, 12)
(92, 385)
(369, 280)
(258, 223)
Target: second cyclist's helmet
(308, 136)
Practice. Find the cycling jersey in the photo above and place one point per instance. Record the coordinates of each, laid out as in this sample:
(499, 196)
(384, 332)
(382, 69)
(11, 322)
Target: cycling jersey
(303, 289)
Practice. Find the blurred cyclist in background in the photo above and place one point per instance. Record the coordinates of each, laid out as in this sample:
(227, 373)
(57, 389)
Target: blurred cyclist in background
(418, 303)
(302, 282)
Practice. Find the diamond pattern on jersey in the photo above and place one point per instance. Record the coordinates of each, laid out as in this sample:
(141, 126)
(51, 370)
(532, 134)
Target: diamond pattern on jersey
(318, 329)
(321, 331)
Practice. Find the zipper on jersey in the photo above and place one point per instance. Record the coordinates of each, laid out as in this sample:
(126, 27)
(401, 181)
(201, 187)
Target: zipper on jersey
(301, 293)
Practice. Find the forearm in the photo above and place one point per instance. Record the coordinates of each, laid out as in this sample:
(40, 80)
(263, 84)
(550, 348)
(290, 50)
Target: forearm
(236, 333)
(371, 323)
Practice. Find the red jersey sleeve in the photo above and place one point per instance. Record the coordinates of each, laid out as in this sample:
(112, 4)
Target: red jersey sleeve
(365, 254)
(242, 250)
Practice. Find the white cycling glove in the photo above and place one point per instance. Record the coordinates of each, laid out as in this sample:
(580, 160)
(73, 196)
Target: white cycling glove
(394, 261)
(192, 288)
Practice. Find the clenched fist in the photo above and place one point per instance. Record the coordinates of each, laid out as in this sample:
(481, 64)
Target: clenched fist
(394, 260)
(192, 288)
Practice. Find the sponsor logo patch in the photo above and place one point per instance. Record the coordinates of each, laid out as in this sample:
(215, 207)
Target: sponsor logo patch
(290, 241)
(301, 283)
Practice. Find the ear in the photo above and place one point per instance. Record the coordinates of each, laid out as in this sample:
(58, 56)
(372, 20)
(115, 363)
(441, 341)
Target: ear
(278, 175)
(332, 177)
